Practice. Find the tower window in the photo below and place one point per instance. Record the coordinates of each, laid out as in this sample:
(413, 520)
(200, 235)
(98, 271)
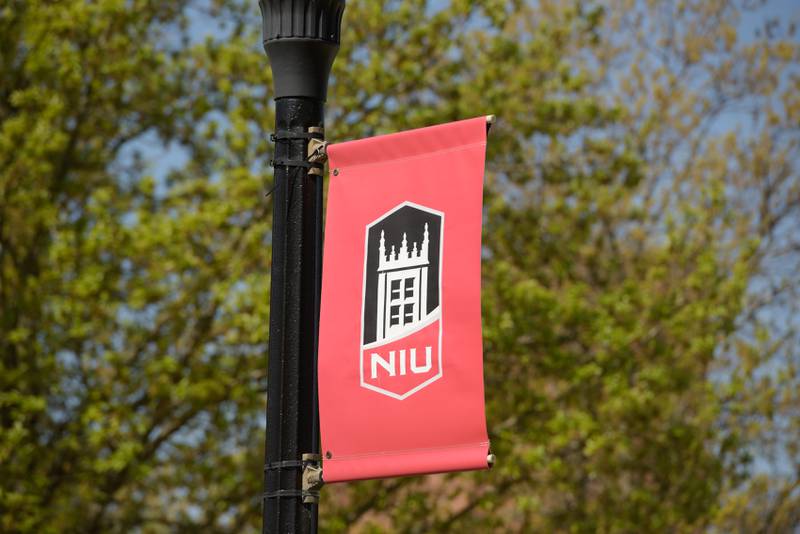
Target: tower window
(409, 288)
(395, 289)
(408, 313)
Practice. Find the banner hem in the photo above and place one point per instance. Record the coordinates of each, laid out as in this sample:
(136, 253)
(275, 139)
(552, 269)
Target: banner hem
(408, 462)
(381, 161)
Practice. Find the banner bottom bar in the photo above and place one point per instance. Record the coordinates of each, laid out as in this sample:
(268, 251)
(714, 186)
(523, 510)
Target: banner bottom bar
(407, 463)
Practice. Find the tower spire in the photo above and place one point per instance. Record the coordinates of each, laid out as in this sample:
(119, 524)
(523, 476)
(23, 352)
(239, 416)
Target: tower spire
(382, 250)
(425, 243)
(402, 256)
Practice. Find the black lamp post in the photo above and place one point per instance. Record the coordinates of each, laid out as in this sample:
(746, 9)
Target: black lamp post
(301, 38)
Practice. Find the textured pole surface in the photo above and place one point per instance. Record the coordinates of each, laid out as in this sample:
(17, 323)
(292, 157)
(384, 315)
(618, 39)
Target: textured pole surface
(301, 38)
(296, 258)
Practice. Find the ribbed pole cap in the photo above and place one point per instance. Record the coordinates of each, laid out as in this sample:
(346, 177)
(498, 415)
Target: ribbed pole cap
(310, 19)
(301, 38)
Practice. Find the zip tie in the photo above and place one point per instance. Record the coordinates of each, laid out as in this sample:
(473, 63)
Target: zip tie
(285, 493)
(285, 464)
(288, 135)
(282, 162)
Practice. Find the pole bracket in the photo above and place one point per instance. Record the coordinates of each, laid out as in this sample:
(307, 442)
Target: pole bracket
(317, 149)
(312, 478)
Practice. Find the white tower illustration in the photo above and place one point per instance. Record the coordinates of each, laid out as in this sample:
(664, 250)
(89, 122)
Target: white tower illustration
(402, 286)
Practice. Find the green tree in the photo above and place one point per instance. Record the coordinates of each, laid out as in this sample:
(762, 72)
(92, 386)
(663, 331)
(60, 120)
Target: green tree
(640, 275)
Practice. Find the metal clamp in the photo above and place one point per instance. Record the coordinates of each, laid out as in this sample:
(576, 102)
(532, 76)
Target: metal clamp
(317, 149)
(312, 478)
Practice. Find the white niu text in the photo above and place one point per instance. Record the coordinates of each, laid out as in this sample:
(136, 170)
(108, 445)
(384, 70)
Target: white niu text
(390, 365)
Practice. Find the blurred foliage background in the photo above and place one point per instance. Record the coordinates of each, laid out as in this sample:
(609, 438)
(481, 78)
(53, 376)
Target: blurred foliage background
(641, 273)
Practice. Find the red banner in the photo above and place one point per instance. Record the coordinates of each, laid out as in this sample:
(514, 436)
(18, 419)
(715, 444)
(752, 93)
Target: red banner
(400, 353)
